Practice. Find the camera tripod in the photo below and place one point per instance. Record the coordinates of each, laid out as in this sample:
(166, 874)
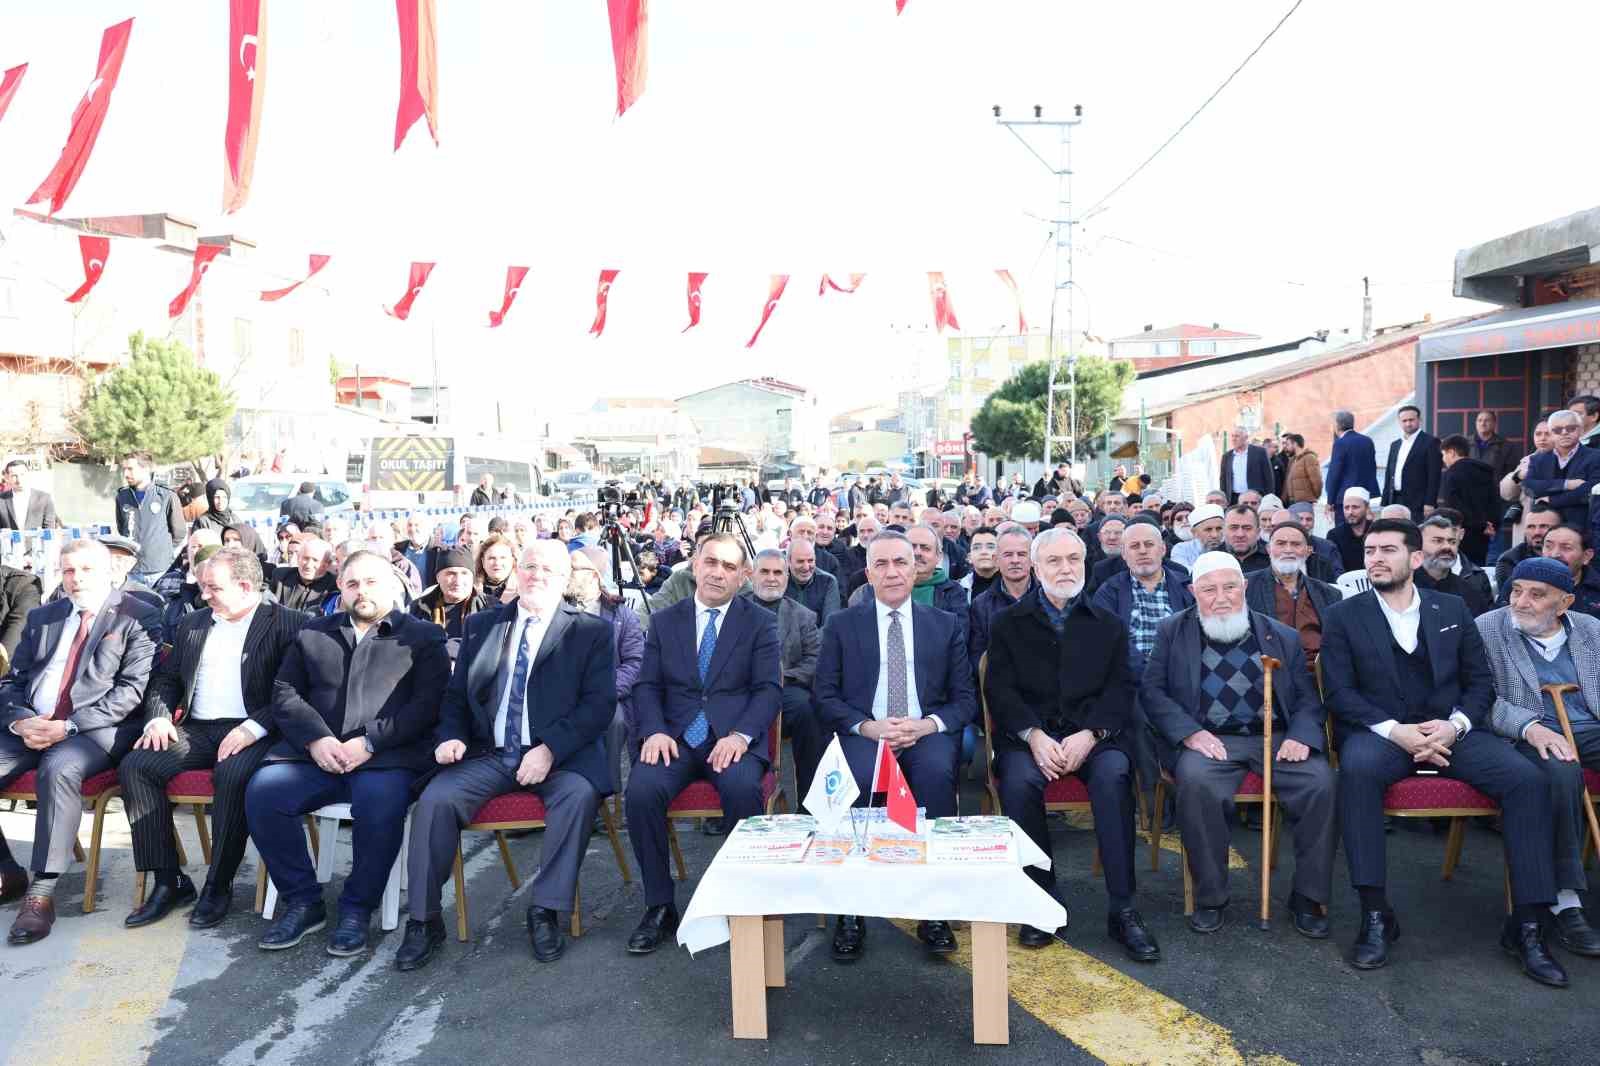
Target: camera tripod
(727, 519)
(615, 542)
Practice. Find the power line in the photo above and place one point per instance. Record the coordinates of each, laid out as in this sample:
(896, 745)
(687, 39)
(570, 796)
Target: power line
(1096, 208)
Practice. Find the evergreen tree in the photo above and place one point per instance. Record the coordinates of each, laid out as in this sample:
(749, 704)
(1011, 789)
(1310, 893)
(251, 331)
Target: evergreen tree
(1010, 424)
(159, 401)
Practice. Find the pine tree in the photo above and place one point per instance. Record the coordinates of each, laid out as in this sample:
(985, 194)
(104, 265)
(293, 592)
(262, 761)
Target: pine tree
(1010, 423)
(159, 401)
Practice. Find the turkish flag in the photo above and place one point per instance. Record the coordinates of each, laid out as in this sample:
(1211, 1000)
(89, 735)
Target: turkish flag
(775, 288)
(1016, 294)
(828, 283)
(887, 778)
(944, 312)
(514, 276)
(695, 281)
(602, 293)
(203, 254)
(899, 6)
(419, 68)
(628, 49)
(419, 278)
(8, 86)
(317, 263)
(247, 80)
(95, 251)
(87, 118)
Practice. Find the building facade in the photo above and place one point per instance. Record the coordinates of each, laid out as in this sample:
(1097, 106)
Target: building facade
(772, 421)
(1151, 348)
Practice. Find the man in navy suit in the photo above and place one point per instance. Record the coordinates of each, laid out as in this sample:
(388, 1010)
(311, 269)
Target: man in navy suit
(895, 670)
(1410, 687)
(529, 703)
(1566, 475)
(1412, 473)
(1353, 464)
(706, 697)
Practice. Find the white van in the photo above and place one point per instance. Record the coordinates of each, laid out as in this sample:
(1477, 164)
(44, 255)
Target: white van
(418, 470)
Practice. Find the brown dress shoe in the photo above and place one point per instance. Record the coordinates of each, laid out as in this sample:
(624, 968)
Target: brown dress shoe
(13, 883)
(33, 920)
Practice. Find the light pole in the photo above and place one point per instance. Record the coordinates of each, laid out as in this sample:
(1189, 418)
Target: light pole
(1064, 223)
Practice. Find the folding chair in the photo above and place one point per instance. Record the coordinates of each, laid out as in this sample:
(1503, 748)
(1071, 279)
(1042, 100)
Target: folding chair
(98, 789)
(699, 799)
(328, 819)
(196, 790)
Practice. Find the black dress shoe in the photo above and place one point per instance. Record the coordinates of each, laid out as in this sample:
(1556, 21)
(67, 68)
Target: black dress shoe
(1379, 929)
(1208, 919)
(544, 933)
(1127, 928)
(297, 921)
(161, 901)
(211, 908)
(1030, 936)
(1525, 941)
(1308, 920)
(422, 940)
(937, 937)
(849, 939)
(350, 935)
(659, 923)
(13, 883)
(1573, 932)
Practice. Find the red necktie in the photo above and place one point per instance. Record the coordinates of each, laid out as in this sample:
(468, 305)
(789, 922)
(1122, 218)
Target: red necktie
(64, 697)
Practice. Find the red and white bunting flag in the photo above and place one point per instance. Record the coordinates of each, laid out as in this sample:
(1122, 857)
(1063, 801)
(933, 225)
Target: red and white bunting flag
(95, 251)
(203, 254)
(944, 311)
(247, 82)
(775, 287)
(888, 779)
(419, 68)
(419, 278)
(8, 86)
(1016, 294)
(899, 6)
(828, 283)
(514, 276)
(628, 49)
(695, 281)
(602, 294)
(317, 263)
(87, 119)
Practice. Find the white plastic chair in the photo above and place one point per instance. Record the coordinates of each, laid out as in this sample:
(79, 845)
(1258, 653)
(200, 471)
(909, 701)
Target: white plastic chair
(328, 819)
(1353, 583)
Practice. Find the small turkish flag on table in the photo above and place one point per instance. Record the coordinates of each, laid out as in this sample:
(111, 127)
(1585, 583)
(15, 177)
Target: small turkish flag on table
(887, 778)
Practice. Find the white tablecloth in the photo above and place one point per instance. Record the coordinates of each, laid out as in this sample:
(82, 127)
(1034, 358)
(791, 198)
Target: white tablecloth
(977, 892)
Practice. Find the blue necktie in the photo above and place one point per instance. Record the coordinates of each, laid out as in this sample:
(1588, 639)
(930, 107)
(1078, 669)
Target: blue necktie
(700, 728)
(517, 699)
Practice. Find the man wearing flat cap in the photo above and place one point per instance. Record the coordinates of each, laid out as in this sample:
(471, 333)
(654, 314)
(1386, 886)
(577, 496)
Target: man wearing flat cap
(1539, 640)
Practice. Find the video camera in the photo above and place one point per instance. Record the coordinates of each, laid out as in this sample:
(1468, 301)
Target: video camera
(613, 499)
(723, 495)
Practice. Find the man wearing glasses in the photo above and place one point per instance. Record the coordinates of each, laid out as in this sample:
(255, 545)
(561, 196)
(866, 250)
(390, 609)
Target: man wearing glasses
(1565, 475)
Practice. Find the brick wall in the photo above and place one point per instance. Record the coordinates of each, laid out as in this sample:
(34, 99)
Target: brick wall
(1586, 371)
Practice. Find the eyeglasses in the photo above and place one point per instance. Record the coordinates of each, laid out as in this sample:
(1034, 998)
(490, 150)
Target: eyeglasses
(1563, 429)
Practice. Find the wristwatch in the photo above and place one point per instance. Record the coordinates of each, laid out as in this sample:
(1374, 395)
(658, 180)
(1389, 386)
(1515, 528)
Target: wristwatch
(1102, 734)
(367, 742)
(72, 730)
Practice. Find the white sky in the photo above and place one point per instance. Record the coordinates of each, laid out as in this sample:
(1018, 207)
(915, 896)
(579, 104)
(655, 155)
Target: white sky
(797, 136)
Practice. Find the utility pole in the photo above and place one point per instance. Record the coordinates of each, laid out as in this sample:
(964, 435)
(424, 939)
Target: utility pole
(1064, 223)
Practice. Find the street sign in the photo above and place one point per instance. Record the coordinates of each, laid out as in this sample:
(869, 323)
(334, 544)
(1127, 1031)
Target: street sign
(950, 449)
(413, 464)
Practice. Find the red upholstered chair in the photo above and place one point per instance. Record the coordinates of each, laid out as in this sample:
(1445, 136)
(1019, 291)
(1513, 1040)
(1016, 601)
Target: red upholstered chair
(98, 790)
(1591, 779)
(700, 799)
(1251, 790)
(192, 789)
(1591, 790)
(522, 810)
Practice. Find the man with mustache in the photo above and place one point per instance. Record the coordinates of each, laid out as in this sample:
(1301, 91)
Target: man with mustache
(1406, 677)
(1205, 523)
(1440, 561)
(1286, 592)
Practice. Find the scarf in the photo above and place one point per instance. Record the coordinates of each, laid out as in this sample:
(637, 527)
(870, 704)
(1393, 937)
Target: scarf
(922, 591)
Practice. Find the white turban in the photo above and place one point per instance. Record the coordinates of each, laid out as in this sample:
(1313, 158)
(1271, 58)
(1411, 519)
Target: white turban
(1204, 513)
(1356, 492)
(1210, 561)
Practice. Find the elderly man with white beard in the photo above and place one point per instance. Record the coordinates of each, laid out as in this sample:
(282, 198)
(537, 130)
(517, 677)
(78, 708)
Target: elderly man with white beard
(1203, 690)
(1286, 592)
(1205, 525)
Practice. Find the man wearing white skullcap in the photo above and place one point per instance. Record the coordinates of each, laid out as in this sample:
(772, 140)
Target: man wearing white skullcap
(1205, 522)
(1347, 536)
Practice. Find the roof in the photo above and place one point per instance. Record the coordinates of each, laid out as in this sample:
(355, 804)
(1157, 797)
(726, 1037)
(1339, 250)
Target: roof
(724, 457)
(1187, 332)
(773, 385)
(614, 403)
(1166, 368)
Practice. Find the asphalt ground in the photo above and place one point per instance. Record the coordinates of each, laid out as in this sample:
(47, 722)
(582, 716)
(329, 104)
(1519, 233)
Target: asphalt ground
(95, 993)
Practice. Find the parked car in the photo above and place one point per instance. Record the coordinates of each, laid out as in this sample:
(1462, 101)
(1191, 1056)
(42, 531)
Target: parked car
(260, 494)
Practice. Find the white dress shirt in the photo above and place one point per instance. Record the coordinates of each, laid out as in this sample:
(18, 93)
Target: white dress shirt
(1405, 626)
(535, 637)
(1400, 457)
(48, 686)
(1241, 470)
(218, 678)
(20, 499)
(880, 696)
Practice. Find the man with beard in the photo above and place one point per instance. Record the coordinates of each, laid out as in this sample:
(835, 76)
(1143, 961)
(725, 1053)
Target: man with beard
(799, 641)
(1203, 690)
(1407, 680)
(356, 699)
(309, 583)
(805, 528)
(1355, 520)
(867, 527)
(1440, 561)
(1205, 525)
(1014, 577)
(1302, 480)
(150, 514)
(1468, 485)
(1241, 531)
(1052, 719)
(1332, 563)
(1538, 641)
(1538, 520)
(1109, 533)
(449, 602)
(1287, 593)
(810, 586)
(984, 563)
(420, 548)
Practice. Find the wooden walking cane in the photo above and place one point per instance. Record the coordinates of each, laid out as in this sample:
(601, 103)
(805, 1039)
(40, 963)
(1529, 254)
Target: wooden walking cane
(1268, 664)
(1556, 692)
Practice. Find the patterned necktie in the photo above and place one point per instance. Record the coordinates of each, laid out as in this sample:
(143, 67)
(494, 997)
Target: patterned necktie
(699, 729)
(517, 699)
(70, 674)
(897, 667)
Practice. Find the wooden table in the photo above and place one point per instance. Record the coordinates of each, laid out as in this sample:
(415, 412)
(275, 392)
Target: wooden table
(756, 964)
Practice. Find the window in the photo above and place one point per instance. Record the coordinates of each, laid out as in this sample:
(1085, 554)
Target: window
(244, 340)
(1202, 347)
(508, 473)
(955, 370)
(1166, 348)
(297, 348)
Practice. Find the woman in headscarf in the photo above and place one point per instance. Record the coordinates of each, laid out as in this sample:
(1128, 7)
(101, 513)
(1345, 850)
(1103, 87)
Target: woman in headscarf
(219, 516)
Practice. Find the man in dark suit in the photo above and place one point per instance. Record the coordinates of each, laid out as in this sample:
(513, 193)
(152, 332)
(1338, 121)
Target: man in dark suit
(303, 507)
(22, 507)
(1411, 474)
(1565, 476)
(1061, 695)
(356, 699)
(208, 707)
(1245, 466)
(528, 707)
(20, 593)
(1203, 690)
(706, 697)
(799, 642)
(896, 671)
(79, 674)
(1407, 679)
(1352, 464)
